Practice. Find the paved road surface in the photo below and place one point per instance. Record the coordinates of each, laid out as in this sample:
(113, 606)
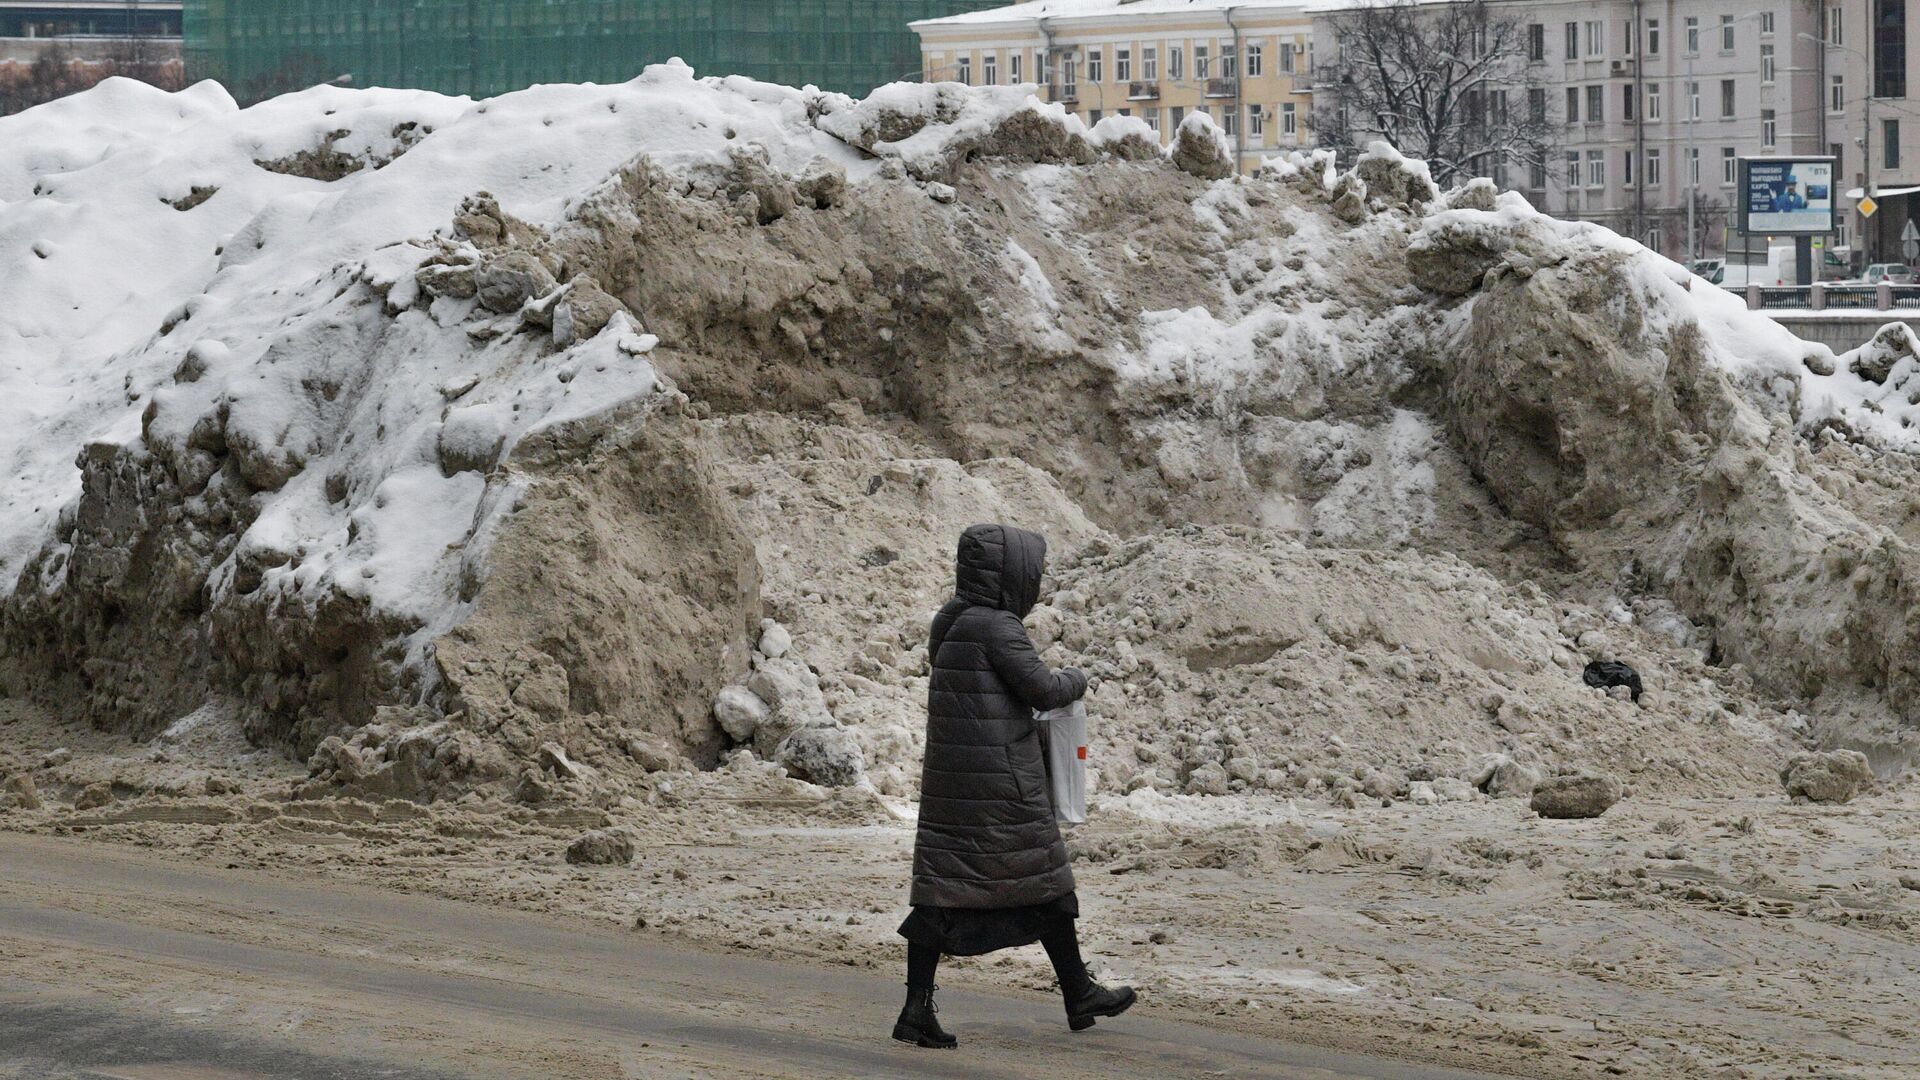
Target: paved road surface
(117, 965)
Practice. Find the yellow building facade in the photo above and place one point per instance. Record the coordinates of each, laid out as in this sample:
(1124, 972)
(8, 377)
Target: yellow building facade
(1249, 66)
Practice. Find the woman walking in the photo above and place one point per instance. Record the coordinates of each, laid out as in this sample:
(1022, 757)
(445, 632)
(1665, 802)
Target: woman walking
(989, 868)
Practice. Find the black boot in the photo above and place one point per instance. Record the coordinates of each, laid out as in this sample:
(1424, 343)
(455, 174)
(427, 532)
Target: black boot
(918, 1024)
(1094, 1000)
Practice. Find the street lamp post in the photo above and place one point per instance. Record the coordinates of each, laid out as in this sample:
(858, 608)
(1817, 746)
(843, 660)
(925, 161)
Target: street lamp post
(1693, 167)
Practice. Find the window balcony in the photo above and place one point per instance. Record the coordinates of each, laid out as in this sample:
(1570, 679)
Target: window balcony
(1143, 91)
(1067, 92)
(1222, 88)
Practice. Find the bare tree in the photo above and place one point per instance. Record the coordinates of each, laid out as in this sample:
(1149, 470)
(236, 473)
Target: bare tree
(1449, 83)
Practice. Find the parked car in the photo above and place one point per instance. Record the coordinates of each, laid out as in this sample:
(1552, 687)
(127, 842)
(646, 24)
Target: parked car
(1838, 265)
(1714, 270)
(1896, 273)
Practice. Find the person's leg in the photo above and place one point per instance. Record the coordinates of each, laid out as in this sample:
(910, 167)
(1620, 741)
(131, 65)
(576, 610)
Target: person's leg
(1063, 948)
(917, 1023)
(1085, 999)
(922, 962)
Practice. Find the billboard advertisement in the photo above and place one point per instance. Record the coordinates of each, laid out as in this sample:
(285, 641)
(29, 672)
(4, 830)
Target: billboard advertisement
(1787, 196)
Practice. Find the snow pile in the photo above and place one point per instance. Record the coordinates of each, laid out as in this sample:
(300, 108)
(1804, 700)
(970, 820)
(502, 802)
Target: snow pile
(476, 439)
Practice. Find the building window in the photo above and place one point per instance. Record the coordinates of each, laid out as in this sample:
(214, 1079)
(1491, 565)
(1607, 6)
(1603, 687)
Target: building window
(1890, 143)
(1200, 67)
(1837, 93)
(1573, 104)
(1094, 116)
(1626, 175)
(1729, 166)
(1573, 170)
(1123, 65)
(990, 69)
(1767, 127)
(1176, 66)
(1257, 123)
(1070, 76)
(1290, 122)
(1573, 41)
(1229, 66)
(1626, 36)
(1766, 63)
(1653, 168)
(1693, 166)
(1596, 38)
(1536, 175)
(1175, 116)
(1653, 37)
(1835, 151)
(1596, 103)
(1626, 102)
(1836, 26)
(1094, 65)
(1536, 41)
(1766, 22)
(1013, 68)
(1286, 57)
(964, 71)
(1151, 116)
(1726, 33)
(1253, 61)
(1653, 101)
(1693, 101)
(1150, 64)
(1596, 169)
(1726, 99)
(1890, 48)
(1693, 35)
(1231, 121)
(1537, 104)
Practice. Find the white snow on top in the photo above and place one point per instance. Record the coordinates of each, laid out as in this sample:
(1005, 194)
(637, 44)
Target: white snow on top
(1817, 386)
(172, 285)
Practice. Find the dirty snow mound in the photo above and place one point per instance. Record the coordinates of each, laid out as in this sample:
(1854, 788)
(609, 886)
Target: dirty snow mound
(549, 440)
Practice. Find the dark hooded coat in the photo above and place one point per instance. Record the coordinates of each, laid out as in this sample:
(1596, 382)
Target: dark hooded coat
(987, 838)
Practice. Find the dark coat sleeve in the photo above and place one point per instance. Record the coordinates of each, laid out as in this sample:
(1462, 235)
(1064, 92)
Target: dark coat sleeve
(1020, 667)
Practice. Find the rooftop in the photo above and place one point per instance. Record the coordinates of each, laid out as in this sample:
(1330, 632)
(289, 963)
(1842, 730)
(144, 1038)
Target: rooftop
(1097, 9)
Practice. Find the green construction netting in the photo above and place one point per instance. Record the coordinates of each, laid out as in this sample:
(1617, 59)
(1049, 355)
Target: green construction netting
(486, 47)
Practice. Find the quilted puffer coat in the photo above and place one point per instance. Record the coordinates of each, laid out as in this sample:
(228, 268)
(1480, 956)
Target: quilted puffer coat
(987, 837)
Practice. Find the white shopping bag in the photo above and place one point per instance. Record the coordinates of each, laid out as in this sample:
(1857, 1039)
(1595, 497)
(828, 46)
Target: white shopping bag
(1063, 735)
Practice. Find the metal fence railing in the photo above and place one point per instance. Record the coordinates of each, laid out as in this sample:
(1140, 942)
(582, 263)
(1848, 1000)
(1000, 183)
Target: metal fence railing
(1786, 296)
(1882, 296)
(1854, 297)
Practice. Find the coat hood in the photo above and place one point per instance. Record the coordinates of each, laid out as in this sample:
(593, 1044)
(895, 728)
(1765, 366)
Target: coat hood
(1000, 566)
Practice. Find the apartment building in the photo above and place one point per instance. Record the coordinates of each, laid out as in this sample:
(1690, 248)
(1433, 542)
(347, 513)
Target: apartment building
(1653, 100)
(1868, 111)
(1248, 65)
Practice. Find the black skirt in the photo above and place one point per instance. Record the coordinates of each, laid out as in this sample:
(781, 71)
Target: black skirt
(976, 931)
